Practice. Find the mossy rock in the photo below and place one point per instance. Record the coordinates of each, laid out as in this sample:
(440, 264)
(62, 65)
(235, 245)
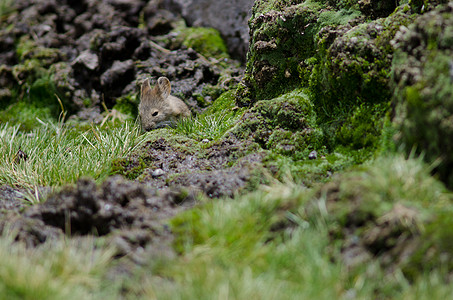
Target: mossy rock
(286, 125)
(276, 49)
(283, 37)
(423, 79)
(34, 88)
(350, 82)
(355, 64)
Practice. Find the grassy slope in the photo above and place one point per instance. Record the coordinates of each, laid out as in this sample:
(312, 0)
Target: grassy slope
(267, 244)
(273, 243)
(58, 154)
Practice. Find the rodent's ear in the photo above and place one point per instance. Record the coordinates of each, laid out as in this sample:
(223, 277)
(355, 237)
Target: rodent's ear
(146, 87)
(164, 86)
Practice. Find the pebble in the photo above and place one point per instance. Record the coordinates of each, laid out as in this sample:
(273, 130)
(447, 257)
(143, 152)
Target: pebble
(157, 173)
(313, 155)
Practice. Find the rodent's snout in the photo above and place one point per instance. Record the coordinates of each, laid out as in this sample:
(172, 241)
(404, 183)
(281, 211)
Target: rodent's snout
(149, 127)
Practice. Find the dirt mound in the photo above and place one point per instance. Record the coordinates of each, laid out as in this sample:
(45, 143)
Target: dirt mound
(129, 214)
(163, 163)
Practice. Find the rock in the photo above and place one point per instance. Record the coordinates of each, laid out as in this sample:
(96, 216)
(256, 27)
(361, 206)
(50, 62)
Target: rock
(161, 16)
(87, 58)
(313, 155)
(157, 173)
(286, 124)
(114, 80)
(423, 84)
(228, 17)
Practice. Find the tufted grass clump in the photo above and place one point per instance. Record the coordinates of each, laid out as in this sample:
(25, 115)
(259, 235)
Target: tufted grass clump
(57, 154)
(214, 122)
(59, 270)
(249, 248)
(202, 127)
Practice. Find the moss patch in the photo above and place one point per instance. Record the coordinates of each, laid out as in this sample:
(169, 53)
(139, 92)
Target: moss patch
(285, 125)
(127, 105)
(283, 37)
(422, 76)
(206, 41)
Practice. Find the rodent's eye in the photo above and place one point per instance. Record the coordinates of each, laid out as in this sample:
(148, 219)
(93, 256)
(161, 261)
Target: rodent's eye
(155, 113)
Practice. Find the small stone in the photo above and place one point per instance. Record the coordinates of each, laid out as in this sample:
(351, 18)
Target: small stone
(205, 141)
(157, 173)
(89, 59)
(313, 155)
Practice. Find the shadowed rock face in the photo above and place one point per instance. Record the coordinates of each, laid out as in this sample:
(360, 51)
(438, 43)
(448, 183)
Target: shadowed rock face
(229, 17)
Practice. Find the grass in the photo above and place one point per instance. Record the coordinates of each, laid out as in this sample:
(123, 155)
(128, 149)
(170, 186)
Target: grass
(58, 154)
(271, 244)
(5, 7)
(267, 244)
(57, 270)
(250, 248)
(213, 123)
(210, 127)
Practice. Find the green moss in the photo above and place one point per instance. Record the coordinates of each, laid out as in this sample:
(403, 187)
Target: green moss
(423, 90)
(225, 102)
(286, 125)
(26, 114)
(128, 167)
(27, 48)
(363, 127)
(127, 105)
(206, 41)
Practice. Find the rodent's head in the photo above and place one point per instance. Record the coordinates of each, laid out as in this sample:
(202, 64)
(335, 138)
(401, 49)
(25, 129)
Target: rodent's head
(154, 107)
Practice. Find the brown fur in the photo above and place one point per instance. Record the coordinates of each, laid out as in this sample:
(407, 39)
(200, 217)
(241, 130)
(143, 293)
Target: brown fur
(157, 107)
